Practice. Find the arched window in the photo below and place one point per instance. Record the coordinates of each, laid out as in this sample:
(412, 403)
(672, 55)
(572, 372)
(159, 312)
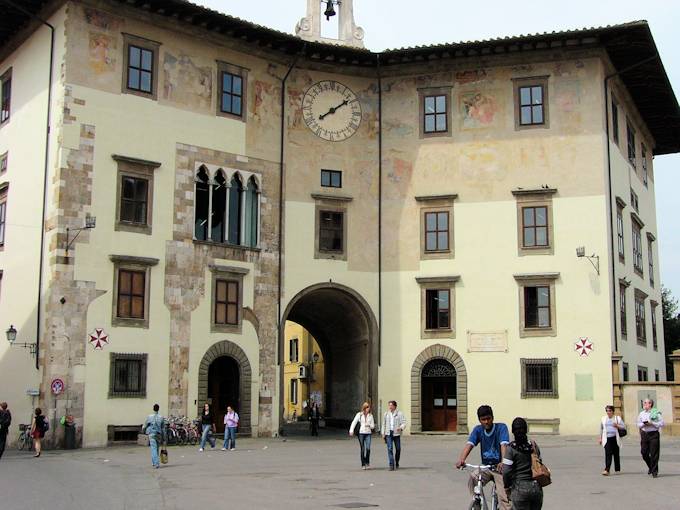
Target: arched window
(252, 209)
(219, 207)
(235, 198)
(201, 205)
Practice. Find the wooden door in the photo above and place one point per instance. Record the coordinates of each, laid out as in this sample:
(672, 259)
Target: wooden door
(439, 401)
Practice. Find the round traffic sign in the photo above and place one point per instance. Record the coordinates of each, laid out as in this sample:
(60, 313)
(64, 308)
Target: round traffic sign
(57, 386)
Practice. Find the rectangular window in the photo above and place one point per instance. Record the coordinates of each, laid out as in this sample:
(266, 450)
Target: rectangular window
(642, 374)
(437, 309)
(131, 294)
(619, 233)
(436, 231)
(331, 178)
(435, 114)
(650, 257)
(626, 377)
(531, 105)
(635, 204)
(226, 302)
(655, 340)
(293, 391)
(331, 231)
(643, 157)
(637, 248)
(624, 317)
(3, 215)
(293, 354)
(127, 375)
(656, 376)
(3, 162)
(133, 200)
(535, 227)
(539, 378)
(231, 100)
(640, 326)
(630, 136)
(537, 307)
(615, 122)
(140, 72)
(6, 95)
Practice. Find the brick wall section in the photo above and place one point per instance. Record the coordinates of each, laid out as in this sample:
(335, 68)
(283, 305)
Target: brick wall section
(187, 260)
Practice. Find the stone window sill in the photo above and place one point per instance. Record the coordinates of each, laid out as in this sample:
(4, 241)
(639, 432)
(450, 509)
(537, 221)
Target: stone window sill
(228, 245)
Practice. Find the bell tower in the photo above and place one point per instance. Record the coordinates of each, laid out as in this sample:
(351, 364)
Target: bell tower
(349, 34)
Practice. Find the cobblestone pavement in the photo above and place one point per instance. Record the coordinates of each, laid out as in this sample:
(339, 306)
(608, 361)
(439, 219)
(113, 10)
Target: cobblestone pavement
(305, 473)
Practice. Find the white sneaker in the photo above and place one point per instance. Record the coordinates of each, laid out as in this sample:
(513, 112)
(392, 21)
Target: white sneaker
(200, 449)
(233, 449)
(224, 449)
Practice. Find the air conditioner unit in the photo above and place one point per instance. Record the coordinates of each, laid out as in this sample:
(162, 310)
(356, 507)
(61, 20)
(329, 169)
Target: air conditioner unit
(302, 374)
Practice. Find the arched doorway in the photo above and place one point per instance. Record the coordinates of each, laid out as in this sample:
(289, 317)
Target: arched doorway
(345, 329)
(433, 366)
(225, 376)
(223, 388)
(439, 398)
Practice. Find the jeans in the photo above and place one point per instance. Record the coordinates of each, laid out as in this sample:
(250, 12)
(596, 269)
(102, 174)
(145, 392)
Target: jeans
(611, 449)
(229, 436)
(154, 444)
(396, 441)
(365, 449)
(649, 448)
(207, 436)
(526, 495)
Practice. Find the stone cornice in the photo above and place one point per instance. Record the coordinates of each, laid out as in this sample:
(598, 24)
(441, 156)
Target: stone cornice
(131, 259)
(135, 161)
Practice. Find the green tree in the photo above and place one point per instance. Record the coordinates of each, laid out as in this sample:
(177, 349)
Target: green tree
(671, 326)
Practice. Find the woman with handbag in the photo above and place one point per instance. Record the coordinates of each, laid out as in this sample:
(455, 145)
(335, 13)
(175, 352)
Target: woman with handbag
(39, 426)
(612, 429)
(523, 472)
(362, 426)
(208, 427)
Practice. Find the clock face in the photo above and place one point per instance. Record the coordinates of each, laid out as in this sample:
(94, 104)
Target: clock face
(331, 110)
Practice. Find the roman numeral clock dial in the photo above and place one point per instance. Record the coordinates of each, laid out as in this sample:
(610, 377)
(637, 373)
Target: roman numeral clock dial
(331, 110)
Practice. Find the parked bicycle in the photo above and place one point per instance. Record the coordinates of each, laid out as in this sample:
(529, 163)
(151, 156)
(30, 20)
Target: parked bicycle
(479, 500)
(25, 441)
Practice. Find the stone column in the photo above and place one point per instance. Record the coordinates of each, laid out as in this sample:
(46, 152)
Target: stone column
(617, 389)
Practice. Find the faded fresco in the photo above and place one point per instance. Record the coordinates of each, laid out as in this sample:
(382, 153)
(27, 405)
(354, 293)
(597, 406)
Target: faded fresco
(103, 50)
(102, 20)
(477, 110)
(186, 83)
(475, 76)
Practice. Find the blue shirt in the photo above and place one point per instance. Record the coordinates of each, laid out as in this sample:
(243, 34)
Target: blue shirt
(490, 441)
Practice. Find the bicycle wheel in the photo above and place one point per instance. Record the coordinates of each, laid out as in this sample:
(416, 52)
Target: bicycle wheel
(22, 441)
(181, 437)
(476, 505)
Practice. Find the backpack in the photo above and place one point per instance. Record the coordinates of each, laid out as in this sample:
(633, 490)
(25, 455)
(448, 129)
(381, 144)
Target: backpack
(539, 471)
(46, 425)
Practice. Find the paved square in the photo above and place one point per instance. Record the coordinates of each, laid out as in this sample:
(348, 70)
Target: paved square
(304, 473)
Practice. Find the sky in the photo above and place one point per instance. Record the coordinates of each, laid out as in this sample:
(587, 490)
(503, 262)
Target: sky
(399, 23)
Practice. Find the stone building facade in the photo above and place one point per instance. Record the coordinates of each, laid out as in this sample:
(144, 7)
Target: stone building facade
(418, 211)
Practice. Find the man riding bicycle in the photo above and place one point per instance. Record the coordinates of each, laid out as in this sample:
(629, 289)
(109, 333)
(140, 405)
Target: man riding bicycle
(494, 438)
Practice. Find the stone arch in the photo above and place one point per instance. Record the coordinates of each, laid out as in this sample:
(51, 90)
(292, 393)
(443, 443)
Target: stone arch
(439, 351)
(227, 348)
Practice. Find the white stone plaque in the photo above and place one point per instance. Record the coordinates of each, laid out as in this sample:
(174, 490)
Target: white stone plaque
(488, 341)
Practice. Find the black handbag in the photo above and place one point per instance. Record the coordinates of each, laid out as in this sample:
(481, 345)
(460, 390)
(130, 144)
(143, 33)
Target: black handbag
(622, 432)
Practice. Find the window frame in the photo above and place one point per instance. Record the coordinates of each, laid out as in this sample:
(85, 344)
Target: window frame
(641, 317)
(4, 162)
(643, 164)
(436, 204)
(294, 342)
(144, 44)
(4, 197)
(136, 169)
(552, 364)
(437, 283)
(234, 70)
(216, 301)
(636, 231)
(330, 174)
(426, 92)
(631, 152)
(655, 338)
(626, 372)
(615, 121)
(643, 373)
(116, 357)
(293, 391)
(332, 204)
(428, 309)
(535, 198)
(623, 308)
(5, 78)
(537, 280)
(230, 274)
(532, 81)
(650, 258)
(620, 230)
(132, 263)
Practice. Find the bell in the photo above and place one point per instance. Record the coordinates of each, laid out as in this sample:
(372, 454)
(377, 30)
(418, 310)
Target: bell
(330, 11)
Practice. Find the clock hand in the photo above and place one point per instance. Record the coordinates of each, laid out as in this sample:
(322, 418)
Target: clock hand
(333, 110)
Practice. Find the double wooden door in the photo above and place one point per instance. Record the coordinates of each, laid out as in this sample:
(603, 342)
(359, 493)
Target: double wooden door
(439, 400)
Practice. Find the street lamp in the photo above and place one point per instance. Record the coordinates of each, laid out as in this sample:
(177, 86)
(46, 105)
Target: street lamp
(12, 337)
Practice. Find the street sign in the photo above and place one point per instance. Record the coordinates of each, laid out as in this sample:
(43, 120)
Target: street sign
(32, 392)
(57, 386)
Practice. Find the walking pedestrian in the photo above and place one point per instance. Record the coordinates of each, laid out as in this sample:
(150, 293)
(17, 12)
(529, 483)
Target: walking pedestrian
(39, 426)
(314, 417)
(208, 424)
(393, 425)
(493, 439)
(518, 480)
(5, 422)
(230, 425)
(610, 439)
(156, 427)
(650, 422)
(364, 424)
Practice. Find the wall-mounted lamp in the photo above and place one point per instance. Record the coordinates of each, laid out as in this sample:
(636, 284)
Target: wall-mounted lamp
(90, 223)
(594, 259)
(12, 337)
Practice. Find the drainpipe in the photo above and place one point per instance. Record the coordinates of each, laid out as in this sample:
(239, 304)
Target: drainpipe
(610, 206)
(377, 59)
(45, 173)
